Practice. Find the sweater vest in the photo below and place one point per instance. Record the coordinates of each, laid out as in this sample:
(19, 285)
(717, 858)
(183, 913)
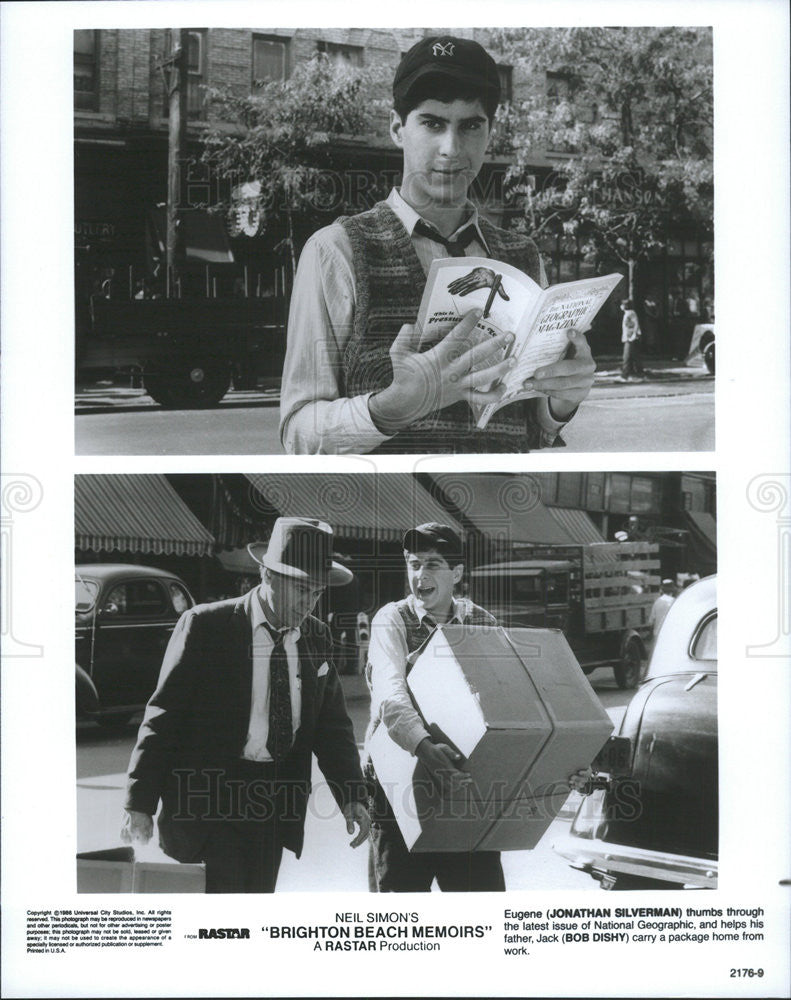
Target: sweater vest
(419, 632)
(389, 282)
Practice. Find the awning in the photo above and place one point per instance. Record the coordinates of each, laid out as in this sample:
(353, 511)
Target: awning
(203, 235)
(355, 505)
(504, 507)
(135, 513)
(702, 554)
(577, 524)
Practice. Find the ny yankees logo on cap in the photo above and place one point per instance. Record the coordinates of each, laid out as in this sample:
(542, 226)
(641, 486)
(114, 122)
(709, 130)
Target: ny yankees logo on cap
(458, 59)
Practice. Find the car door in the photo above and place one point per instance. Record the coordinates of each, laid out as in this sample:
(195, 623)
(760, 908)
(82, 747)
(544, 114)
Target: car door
(135, 619)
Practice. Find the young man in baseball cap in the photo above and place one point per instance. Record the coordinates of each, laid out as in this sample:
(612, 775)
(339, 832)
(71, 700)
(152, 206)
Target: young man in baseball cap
(353, 379)
(435, 565)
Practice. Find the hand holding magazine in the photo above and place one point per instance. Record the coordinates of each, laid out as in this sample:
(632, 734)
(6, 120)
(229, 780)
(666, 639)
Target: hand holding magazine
(511, 301)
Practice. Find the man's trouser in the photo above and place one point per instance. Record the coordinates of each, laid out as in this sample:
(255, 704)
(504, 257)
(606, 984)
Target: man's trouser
(392, 868)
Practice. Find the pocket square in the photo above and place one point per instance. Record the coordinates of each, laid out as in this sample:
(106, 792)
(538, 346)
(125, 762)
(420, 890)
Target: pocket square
(323, 669)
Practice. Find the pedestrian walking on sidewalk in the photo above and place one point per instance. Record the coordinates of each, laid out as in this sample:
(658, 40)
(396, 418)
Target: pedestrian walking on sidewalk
(630, 336)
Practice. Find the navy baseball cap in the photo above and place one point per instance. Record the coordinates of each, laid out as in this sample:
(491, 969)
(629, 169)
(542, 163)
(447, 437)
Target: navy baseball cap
(440, 537)
(446, 55)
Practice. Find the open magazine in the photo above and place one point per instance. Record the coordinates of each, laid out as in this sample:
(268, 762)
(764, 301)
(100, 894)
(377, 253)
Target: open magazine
(510, 300)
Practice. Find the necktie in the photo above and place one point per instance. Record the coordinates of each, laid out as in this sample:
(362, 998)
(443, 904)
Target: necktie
(280, 737)
(454, 247)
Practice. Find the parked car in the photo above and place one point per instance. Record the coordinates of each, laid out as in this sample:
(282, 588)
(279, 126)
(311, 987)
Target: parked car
(652, 822)
(124, 617)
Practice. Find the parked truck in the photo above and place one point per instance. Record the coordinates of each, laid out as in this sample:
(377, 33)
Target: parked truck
(600, 595)
(189, 334)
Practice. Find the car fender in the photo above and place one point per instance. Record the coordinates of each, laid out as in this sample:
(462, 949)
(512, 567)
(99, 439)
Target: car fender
(86, 695)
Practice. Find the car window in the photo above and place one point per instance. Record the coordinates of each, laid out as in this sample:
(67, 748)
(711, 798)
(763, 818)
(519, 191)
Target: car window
(179, 598)
(526, 590)
(136, 599)
(704, 642)
(85, 592)
(557, 589)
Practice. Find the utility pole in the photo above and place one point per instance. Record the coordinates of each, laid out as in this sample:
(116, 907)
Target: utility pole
(174, 68)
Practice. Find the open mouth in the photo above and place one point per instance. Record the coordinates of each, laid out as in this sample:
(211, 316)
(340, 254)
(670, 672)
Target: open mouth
(423, 593)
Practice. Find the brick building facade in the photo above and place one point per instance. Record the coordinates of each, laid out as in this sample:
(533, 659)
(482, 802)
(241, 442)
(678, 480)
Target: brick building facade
(121, 155)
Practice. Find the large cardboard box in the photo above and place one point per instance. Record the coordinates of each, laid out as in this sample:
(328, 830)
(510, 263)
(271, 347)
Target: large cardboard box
(517, 705)
(117, 870)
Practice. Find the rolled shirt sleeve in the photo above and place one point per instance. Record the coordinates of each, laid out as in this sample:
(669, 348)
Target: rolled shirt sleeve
(390, 698)
(314, 418)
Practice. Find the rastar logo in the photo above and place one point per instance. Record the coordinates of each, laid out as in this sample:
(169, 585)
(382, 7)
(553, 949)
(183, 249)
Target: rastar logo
(223, 932)
(443, 50)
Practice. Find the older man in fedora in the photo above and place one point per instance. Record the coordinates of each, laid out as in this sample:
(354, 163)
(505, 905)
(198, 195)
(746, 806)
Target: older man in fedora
(247, 693)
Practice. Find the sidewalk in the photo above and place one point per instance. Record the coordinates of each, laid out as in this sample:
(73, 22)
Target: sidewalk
(354, 687)
(661, 377)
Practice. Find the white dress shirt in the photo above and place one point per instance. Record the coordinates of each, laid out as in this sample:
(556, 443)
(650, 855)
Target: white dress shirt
(263, 644)
(314, 418)
(389, 657)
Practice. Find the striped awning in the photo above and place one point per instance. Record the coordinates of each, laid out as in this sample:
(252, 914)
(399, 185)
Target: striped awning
(577, 524)
(505, 508)
(355, 505)
(135, 513)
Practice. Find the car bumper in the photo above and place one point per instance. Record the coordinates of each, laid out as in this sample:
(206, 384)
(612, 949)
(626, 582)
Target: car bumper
(605, 858)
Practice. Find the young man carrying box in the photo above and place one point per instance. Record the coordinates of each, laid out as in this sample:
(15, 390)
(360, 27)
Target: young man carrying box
(353, 379)
(435, 565)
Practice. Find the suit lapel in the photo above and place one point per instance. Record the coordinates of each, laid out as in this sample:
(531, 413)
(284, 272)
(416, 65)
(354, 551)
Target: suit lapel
(240, 661)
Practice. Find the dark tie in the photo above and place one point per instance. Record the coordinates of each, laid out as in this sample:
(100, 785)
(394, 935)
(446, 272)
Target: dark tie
(280, 737)
(454, 247)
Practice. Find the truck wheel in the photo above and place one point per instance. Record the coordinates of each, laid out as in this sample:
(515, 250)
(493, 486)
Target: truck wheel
(629, 670)
(192, 384)
(708, 357)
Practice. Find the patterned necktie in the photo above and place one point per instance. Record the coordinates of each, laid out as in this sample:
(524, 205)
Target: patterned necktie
(454, 247)
(280, 737)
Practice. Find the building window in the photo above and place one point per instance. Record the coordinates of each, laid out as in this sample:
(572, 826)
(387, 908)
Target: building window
(86, 72)
(569, 489)
(270, 59)
(342, 55)
(558, 87)
(196, 73)
(506, 74)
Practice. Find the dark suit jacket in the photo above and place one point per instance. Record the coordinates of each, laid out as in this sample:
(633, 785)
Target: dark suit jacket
(197, 721)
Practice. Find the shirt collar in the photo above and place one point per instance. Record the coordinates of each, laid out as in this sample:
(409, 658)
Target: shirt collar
(408, 216)
(460, 609)
(258, 618)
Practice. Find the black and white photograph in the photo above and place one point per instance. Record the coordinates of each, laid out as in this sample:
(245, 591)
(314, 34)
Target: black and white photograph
(407, 399)
(256, 211)
(533, 582)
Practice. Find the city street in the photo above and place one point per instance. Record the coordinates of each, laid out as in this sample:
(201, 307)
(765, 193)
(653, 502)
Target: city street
(327, 864)
(671, 410)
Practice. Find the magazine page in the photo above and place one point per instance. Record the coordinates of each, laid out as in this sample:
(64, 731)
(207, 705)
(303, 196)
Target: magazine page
(533, 682)
(560, 309)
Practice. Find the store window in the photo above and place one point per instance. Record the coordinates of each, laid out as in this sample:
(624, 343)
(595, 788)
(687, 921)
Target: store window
(86, 70)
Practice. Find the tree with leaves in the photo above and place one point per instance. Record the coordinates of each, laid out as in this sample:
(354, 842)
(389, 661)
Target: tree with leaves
(629, 114)
(284, 147)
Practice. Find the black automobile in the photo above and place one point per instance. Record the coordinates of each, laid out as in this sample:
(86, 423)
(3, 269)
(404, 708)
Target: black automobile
(652, 822)
(124, 617)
